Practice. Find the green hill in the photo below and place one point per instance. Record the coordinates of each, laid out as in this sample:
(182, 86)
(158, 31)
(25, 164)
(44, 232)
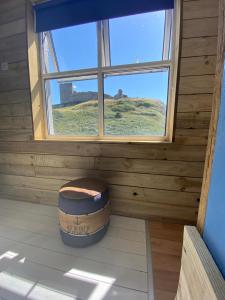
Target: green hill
(127, 116)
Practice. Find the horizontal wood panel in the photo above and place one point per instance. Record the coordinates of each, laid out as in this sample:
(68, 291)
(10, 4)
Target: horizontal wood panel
(32, 182)
(13, 42)
(200, 9)
(192, 132)
(191, 136)
(23, 122)
(150, 210)
(64, 164)
(141, 195)
(200, 27)
(198, 46)
(7, 5)
(17, 109)
(15, 96)
(13, 48)
(196, 84)
(16, 135)
(12, 28)
(194, 103)
(158, 182)
(115, 191)
(119, 206)
(186, 140)
(16, 77)
(176, 168)
(13, 55)
(177, 183)
(196, 120)
(152, 151)
(118, 164)
(154, 196)
(20, 170)
(11, 10)
(30, 195)
(199, 65)
(194, 169)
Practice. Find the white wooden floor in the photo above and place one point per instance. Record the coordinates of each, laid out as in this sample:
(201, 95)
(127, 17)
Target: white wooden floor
(35, 264)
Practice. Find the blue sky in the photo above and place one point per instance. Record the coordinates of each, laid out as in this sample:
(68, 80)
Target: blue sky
(133, 39)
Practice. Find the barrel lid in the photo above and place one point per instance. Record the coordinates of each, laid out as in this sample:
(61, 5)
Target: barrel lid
(83, 188)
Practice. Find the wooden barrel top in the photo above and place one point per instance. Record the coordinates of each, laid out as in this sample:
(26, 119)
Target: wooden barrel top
(83, 188)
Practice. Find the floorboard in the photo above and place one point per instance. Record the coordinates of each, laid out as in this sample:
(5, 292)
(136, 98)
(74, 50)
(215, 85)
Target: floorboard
(35, 264)
(166, 246)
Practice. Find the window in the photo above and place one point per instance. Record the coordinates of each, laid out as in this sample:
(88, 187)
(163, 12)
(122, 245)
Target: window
(111, 80)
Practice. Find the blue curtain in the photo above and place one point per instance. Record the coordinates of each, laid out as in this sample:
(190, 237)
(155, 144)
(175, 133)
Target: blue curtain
(55, 14)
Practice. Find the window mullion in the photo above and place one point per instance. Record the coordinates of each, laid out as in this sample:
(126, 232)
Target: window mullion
(100, 79)
(101, 103)
(167, 34)
(46, 84)
(48, 103)
(106, 43)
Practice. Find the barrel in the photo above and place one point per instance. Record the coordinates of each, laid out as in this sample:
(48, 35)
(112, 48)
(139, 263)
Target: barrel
(84, 211)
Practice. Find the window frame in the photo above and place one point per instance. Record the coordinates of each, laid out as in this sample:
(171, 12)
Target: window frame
(104, 68)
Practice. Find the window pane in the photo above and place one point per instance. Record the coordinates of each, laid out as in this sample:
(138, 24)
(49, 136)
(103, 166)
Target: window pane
(136, 104)
(137, 39)
(75, 47)
(73, 106)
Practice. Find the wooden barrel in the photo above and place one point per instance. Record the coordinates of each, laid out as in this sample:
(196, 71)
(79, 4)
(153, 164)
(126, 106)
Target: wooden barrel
(84, 211)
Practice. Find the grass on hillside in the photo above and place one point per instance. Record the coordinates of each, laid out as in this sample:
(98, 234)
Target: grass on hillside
(122, 117)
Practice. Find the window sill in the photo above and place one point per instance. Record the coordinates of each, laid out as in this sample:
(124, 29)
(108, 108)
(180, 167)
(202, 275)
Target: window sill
(158, 140)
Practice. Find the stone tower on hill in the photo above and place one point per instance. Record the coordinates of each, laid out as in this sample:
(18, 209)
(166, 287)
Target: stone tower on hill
(119, 95)
(69, 96)
(66, 92)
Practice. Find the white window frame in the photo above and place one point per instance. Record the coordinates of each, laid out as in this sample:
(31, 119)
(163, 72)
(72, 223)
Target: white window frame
(172, 27)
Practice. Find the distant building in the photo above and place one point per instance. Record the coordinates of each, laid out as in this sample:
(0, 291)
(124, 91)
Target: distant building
(66, 92)
(69, 95)
(119, 95)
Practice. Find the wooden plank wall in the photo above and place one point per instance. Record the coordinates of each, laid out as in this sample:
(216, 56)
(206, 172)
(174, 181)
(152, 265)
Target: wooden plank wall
(199, 276)
(158, 180)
